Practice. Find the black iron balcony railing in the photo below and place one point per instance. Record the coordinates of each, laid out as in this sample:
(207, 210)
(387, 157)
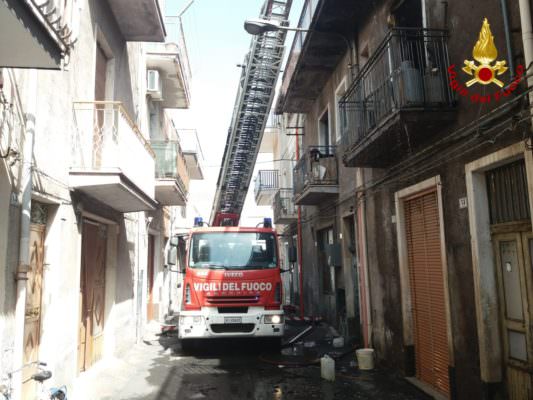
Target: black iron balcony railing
(408, 71)
(266, 179)
(284, 208)
(317, 167)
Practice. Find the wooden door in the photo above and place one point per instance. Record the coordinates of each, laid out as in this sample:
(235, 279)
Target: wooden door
(150, 312)
(427, 290)
(92, 294)
(514, 269)
(32, 319)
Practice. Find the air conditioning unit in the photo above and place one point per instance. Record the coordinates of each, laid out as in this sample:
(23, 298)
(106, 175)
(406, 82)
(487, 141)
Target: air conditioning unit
(154, 85)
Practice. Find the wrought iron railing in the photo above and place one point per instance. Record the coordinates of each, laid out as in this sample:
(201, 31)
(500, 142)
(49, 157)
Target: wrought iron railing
(56, 16)
(175, 34)
(267, 179)
(283, 205)
(318, 166)
(105, 138)
(407, 71)
(306, 17)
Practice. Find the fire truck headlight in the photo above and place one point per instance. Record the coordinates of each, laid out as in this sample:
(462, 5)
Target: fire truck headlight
(191, 320)
(273, 319)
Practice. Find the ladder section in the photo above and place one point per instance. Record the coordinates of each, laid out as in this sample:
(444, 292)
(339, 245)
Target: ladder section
(255, 94)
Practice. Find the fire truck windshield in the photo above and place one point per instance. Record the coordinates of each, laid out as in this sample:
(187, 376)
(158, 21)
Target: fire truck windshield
(236, 250)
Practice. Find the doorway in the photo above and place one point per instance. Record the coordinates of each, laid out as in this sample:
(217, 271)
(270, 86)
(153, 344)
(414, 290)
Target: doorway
(427, 289)
(92, 293)
(32, 316)
(151, 311)
(513, 248)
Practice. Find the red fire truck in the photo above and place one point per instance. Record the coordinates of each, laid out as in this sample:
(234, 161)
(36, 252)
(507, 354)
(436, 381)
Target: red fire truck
(232, 285)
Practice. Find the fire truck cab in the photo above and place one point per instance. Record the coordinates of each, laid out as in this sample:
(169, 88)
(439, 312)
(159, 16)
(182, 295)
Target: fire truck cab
(232, 285)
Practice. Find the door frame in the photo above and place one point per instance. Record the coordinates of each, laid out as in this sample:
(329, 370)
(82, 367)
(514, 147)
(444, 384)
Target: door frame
(431, 184)
(483, 261)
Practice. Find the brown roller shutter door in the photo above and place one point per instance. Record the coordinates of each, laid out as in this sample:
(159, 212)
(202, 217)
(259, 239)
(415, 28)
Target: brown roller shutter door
(427, 290)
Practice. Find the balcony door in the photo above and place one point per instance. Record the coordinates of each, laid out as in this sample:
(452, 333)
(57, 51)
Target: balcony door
(407, 14)
(99, 97)
(324, 133)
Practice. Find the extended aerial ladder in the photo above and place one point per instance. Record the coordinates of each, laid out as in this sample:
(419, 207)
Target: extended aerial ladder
(252, 106)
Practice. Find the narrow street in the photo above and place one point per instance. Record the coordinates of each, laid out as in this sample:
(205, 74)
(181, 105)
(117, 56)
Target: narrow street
(230, 369)
(347, 183)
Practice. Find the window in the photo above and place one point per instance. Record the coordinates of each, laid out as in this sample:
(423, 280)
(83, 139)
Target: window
(239, 250)
(340, 117)
(325, 242)
(324, 134)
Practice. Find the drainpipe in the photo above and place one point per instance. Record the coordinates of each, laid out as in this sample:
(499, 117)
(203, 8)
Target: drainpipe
(299, 230)
(527, 34)
(360, 217)
(507, 29)
(24, 244)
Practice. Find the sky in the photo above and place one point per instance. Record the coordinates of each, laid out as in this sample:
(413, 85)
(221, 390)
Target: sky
(216, 42)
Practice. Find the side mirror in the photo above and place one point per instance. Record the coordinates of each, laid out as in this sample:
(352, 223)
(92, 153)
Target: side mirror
(172, 255)
(293, 255)
(173, 241)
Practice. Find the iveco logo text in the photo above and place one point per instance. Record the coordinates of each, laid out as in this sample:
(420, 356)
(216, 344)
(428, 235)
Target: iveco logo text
(232, 286)
(231, 274)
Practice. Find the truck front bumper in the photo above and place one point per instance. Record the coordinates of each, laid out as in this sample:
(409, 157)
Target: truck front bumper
(209, 323)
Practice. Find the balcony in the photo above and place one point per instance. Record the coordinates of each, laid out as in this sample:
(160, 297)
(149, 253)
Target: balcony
(400, 97)
(316, 176)
(192, 152)
(315, 55)
(172, 177)
(41, 28)
(139, 20)
(111, 160)
(266, 185)
(171, 62)
(284, 208)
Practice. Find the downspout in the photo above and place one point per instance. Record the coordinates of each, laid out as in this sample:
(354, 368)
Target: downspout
(23, 267)
(299, 230)
(508, 42)
(527, 34)
(363, 255)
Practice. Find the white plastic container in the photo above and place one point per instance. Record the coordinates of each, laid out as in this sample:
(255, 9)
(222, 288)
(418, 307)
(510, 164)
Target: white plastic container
(365, 358)
(327, 368)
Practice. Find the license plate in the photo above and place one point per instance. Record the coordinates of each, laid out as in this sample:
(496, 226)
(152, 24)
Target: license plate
(232, 320)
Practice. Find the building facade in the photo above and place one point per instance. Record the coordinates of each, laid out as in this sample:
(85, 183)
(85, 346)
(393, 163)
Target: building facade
(414, 185)
(94, 179)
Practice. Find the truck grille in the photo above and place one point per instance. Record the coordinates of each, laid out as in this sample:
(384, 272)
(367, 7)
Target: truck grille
(232, 310)
(232, 299)
(232, 328)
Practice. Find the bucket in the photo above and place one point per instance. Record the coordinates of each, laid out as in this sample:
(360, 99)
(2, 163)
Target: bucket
(365, 358)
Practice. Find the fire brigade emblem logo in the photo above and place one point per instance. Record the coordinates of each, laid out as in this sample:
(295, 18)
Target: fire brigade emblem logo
(485, 53)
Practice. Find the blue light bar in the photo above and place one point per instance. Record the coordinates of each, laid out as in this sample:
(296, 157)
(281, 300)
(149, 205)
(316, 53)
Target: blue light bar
(267, 222)
(198, 221)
